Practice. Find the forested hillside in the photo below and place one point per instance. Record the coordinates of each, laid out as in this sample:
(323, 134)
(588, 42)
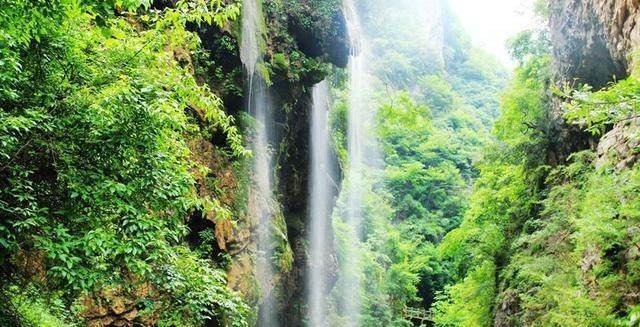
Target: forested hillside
(125, 170)
(550, 238)
(103, 117)
(317, 163)
(434, 97)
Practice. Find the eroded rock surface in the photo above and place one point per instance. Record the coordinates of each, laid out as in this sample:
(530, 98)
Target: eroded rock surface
(593, 40)
(620, 145)
(593, 43)
(117, 308)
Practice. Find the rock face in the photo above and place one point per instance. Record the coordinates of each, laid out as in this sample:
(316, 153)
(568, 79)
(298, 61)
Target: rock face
(315, 30)
(593, 40)
(117, 308)
(303, 40)
(621, 19)
(319, 29)
(619, 146)
(593, 43)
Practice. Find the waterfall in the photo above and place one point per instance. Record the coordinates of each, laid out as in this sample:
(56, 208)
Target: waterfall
(251, 33)
(357, 122)
(360, 121)
(320, 206)
(262, 205)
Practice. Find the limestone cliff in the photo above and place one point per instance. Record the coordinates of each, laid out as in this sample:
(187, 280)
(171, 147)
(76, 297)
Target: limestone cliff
(593, 43)
(303, 40)
(593, 40)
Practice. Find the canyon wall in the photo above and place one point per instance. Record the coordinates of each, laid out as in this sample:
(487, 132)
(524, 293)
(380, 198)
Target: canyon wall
(304, 41)
(593, 40)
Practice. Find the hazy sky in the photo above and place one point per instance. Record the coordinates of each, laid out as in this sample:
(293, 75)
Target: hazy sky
(491, 22)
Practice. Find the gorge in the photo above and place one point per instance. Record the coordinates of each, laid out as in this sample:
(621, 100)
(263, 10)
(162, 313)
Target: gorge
(317, 163)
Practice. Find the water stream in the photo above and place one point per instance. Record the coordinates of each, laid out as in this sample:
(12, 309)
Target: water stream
(320, 206)
(262, 205)
(359, 123)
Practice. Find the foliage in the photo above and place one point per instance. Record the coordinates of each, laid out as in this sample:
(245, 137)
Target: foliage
(438, 94)
(97, 107)
(528, 44)
(198, 292)
(426, 186)
(35, 310)
(504, 197)
(523, 123)
(468, 303)
(540, 245)
(435, 102)
(571, 265)
(596, 110)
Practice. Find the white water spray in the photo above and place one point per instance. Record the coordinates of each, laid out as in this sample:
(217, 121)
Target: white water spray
(251, 34)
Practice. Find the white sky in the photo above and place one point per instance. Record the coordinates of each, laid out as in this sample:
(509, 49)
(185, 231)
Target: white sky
(490, 23)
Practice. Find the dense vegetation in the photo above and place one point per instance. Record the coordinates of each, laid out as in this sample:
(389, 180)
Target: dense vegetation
(536, 242)
(506, 194)
(541, 245)
(434, 102)
(123, 173)
(99, 106)
(547, 245)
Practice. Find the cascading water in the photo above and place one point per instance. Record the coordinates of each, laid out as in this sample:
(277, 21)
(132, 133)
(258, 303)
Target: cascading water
(251, 33)
(357, 120)
(359, 124)
(261, 204)
(320, 206)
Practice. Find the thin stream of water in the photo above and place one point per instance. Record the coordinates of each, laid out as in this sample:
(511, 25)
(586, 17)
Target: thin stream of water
(262, 205)
(320, 206)
(359, 123)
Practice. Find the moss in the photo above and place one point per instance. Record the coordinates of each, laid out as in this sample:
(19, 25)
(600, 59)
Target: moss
(241, 196)
(265, 71)
(280, 62)
(283, 257)
(282, 254)
(292, 25)
(33, 307)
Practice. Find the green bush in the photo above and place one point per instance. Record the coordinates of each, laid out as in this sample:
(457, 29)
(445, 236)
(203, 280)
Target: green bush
(96, 112)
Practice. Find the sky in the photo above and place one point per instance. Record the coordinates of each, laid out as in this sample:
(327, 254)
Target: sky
(490, 23)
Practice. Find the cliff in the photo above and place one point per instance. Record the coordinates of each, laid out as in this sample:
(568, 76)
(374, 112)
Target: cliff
(593, 40)
(561, 247)
(593, 43)
(303, 41)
